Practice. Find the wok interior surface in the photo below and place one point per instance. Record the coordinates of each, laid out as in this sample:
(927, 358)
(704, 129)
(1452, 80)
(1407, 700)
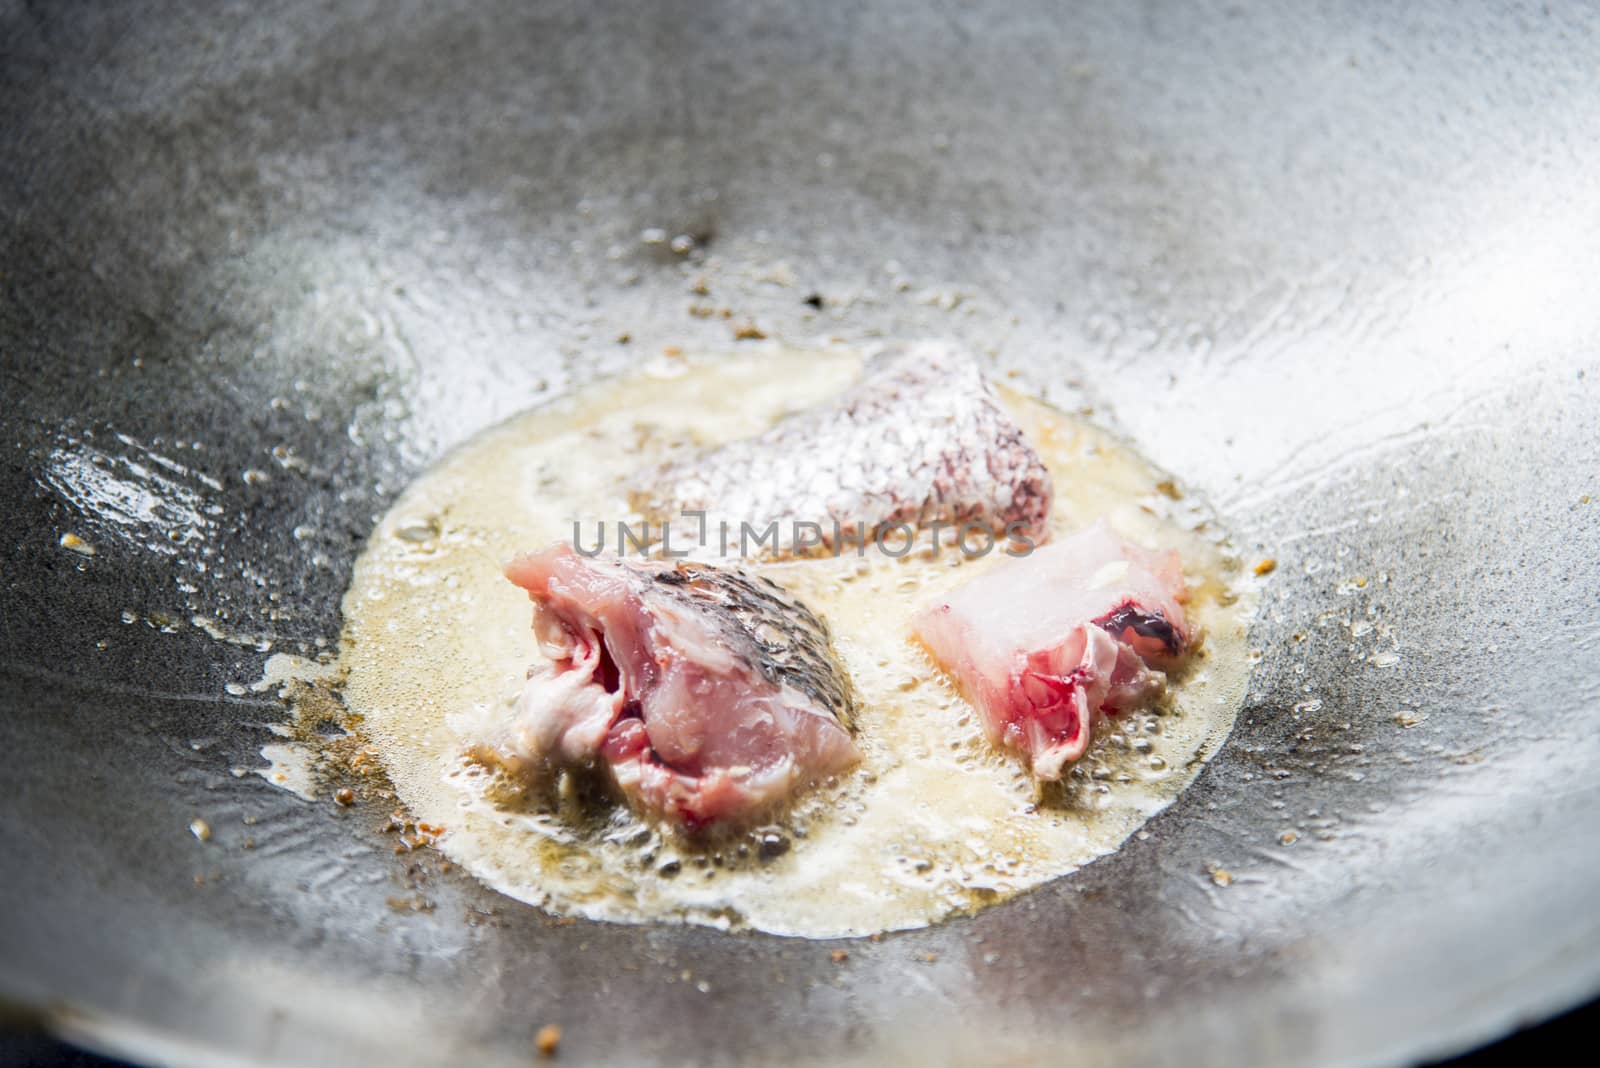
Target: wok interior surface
(1332, 266)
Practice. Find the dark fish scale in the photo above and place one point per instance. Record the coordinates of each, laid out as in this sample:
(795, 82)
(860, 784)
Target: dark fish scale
(1150, 624)
(783, 639)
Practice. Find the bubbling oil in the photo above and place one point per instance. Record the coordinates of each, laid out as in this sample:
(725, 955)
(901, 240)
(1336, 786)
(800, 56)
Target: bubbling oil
(934, 822)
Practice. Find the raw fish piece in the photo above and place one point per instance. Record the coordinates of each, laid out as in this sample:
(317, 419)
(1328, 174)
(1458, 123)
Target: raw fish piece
(1046, 643)
(705, 693)
(919, 439)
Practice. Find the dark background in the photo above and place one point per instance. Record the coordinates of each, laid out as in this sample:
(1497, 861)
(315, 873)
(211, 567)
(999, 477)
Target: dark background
(1553, 1039)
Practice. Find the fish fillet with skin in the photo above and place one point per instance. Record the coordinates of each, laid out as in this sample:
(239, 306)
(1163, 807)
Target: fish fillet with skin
(1046, 643)
(707, 694)
(919, 439)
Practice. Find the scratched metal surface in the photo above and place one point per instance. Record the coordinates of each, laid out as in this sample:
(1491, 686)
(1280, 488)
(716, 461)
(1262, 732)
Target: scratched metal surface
(1331, 265)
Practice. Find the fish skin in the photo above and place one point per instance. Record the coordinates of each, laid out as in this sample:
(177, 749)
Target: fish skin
(787, 642)
(920, 438)
(707, 695)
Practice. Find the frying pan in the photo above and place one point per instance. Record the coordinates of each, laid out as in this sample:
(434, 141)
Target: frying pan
(1330, 264)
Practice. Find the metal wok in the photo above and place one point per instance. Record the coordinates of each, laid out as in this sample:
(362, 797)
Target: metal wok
(1331, 265)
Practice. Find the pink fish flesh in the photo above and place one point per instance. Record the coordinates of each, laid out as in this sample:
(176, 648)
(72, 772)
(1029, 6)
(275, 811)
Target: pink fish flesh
(1046, 643)
(706, 694)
